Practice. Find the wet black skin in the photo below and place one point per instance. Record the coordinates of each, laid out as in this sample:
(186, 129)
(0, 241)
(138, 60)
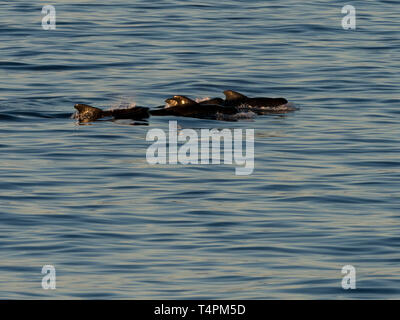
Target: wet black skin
(217, 101)
(88, 113)
(259, 105)
(182, 106)
(233, 98)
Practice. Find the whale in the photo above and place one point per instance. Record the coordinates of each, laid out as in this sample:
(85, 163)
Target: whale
(235, 106)
(217, 101)
(260, 105)
(86, 113)
(183, 106)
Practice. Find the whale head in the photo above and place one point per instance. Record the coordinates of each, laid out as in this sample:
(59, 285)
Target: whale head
(180, 101)
(87, 113)
(171, 102)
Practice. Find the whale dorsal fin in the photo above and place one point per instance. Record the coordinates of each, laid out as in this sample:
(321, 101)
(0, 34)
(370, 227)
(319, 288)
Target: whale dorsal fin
(233, 95)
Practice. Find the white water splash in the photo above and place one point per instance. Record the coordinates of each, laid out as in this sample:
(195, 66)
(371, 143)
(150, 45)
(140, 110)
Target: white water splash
(200, 100)
(283, 107)
(244, 115)
(123, 103)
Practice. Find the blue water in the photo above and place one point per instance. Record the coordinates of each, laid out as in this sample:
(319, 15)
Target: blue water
(324, 192)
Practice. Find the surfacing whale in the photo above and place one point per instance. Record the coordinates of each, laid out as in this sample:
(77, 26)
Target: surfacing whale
(260, 105)
(235, 106)
(182, 106)
(88, 113)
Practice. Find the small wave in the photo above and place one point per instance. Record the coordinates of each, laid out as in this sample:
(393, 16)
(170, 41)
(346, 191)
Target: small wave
(244, 115)
(8, 117)
(22, 116)
(283, 108)
(31, 114)
(58, 67)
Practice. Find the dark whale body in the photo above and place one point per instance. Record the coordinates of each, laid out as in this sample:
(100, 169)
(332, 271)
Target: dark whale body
(217, 101)
(260, 105)
(88, 113)
(182, 106)
(234, 105)
(214, 101)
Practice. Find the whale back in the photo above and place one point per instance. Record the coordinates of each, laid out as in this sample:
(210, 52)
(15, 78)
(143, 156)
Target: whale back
(135, 113)
(217, 101)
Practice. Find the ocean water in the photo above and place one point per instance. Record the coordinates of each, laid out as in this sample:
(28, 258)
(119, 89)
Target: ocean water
(325, 188)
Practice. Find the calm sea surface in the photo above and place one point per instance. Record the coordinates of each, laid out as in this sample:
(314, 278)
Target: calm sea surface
(326, 185)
